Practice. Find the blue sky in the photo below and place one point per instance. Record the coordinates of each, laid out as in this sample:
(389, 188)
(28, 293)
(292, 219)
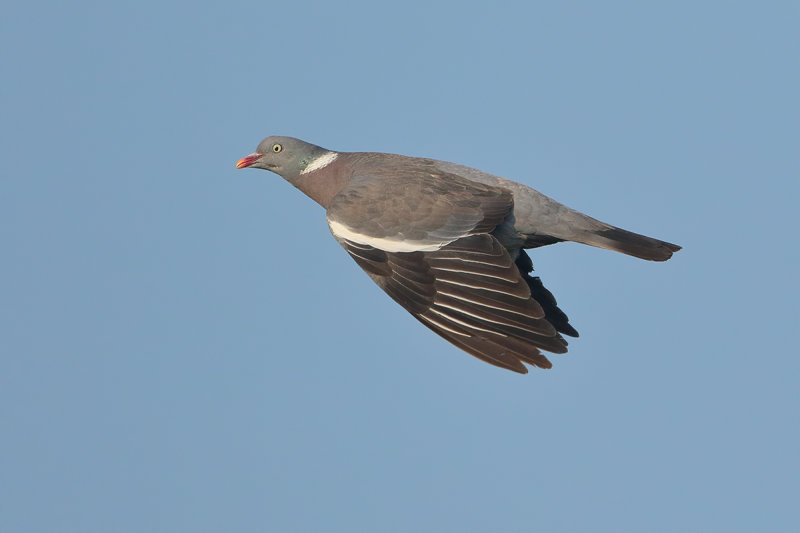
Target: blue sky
(186, 348)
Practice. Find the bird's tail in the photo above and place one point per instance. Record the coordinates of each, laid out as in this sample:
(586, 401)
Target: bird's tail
(627, 242)
(571, 225)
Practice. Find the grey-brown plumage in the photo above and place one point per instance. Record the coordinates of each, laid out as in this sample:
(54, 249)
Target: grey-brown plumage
(447, 243)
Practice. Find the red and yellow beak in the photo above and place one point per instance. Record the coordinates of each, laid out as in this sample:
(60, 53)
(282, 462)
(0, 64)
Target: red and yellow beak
(248, 160)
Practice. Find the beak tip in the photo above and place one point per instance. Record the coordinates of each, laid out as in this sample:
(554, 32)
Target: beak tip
(248, 160)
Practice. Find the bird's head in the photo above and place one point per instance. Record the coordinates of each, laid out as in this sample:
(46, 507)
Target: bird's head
(285, 156)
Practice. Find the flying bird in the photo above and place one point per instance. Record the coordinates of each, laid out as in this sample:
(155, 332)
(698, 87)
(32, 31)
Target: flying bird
(447, 242)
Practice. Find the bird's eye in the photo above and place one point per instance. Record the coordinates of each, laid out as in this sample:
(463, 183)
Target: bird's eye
(277, 148)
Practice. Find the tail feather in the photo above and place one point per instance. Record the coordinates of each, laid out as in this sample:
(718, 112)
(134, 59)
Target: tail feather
(629, 243)
(549, 222)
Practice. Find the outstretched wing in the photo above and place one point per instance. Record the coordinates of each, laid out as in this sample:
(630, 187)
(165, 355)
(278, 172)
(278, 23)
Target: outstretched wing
(470, 292)
(426, 239)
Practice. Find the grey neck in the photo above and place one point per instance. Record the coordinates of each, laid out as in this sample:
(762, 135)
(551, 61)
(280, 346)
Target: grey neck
(322, 184)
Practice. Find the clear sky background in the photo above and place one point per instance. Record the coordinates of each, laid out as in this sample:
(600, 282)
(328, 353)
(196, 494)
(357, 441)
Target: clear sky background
(186, 348)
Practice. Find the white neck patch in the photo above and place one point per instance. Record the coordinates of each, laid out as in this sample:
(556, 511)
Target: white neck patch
(320, 162)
